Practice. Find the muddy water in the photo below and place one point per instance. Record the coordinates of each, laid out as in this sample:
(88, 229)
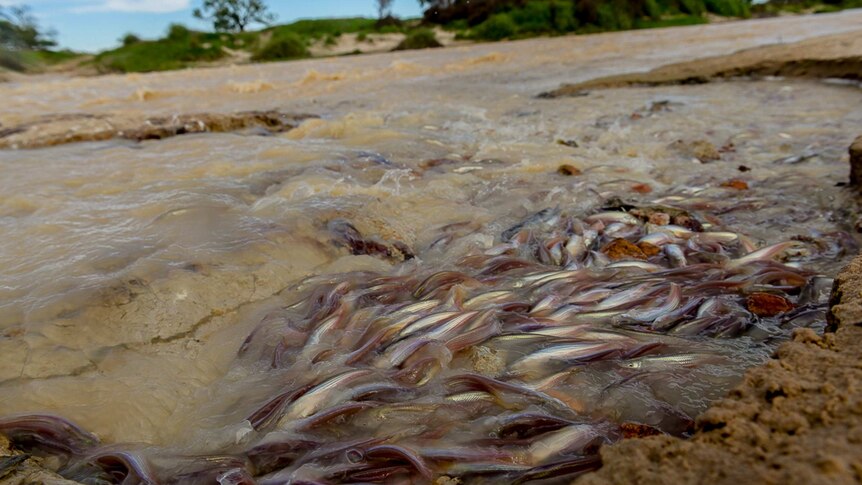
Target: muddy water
(130, 274)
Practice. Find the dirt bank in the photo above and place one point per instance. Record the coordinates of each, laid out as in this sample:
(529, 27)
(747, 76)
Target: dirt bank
(834, 56)
(797, 419)
(54, 130)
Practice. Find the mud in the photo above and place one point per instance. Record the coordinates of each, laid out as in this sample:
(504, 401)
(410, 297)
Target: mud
(55, 130)
(833, 57)
(797, 419)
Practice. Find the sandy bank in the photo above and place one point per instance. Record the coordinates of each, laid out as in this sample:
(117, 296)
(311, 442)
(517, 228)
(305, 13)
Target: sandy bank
(834, 56)
(797, 419)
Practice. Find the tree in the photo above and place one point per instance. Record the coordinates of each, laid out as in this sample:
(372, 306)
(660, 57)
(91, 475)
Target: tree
(384, 9)
(234, 15)
(19, 30)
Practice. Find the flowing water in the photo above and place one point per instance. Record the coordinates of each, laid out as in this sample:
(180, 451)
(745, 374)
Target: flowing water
(158, 293)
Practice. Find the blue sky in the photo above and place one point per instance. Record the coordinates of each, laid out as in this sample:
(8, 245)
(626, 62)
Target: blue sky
(92, 25)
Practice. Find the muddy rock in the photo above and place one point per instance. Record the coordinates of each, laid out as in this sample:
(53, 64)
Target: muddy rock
(568, 170)
(52, 130)
(700, 149)
(622, 249)
(766, 305)
(856, 163)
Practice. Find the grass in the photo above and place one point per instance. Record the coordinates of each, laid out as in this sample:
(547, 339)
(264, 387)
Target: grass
(181, 47)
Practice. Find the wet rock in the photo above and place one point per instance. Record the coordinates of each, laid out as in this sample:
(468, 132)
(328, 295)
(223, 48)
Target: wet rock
(663, 215)
(735, 184)
(166, 127)
(55, 130)
(700, 149)
(568, 170)
(856, 163)
(621, 249)
(641, 188)
(638, 430)
(347, 235)
(649, 249)
(768, 305)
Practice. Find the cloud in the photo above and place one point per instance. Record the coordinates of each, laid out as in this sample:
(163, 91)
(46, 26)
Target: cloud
(149, 6)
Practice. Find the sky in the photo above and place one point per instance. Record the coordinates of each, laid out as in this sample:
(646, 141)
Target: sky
(93, 25)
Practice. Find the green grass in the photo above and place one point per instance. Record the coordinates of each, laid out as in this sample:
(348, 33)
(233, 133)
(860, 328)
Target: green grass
(555, 17)
(162, 55)
(419, 39)
(675, 21)
(320, 28)
(182, 47)
(282, 45)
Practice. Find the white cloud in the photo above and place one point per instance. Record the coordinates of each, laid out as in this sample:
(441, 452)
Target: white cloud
(151, 6)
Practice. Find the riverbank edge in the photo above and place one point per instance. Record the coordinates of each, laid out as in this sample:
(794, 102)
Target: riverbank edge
(795, 419)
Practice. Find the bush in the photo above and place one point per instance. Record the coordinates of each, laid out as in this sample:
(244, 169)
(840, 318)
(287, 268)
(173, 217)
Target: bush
(178, 32)
(11, 60)
(728, 8)
(498, 27)
(130, 39)
(419, 39)
(282, 45)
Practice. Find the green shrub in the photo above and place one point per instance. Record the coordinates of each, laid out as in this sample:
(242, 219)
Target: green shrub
(533, 17)
(728, 8)
(419, 39)
(178, 32)
(497, 27)
(362, 37)
(612, 18)
(11, 60)
(130, 39)
(693, 7)
(282, 45)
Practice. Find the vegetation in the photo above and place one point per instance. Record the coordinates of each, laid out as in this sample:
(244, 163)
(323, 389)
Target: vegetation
(180, 48)
(282, 45)
(773, 7)
(24, 45)
(234, 15)
(419, 39)
(507, 19)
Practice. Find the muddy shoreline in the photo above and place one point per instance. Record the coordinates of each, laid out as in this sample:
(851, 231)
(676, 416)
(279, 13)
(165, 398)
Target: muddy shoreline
(796, 419)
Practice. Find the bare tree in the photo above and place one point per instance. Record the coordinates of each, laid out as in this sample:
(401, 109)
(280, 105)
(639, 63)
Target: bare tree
(234, 15)
(384, 9)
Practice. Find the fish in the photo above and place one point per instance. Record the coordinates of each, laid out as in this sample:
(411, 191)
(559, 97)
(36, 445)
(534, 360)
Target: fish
(571, 439)
(668, 361)
(671, 303)
(320, 396)
(567, 353)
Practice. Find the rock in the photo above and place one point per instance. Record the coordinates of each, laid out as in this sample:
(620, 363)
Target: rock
(649, 249)
(568, 143)
(622, 249)
(663, 215)
(856, 163)
(735, 184)
(638, 430)
(700, 149)
(641, 188)
(568, 170)
(768, 305)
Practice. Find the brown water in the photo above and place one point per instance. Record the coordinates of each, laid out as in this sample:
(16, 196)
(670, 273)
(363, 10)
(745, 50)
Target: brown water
(130, 274)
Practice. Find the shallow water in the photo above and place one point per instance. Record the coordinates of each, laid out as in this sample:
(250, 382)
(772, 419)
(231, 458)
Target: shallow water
(130, 274)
